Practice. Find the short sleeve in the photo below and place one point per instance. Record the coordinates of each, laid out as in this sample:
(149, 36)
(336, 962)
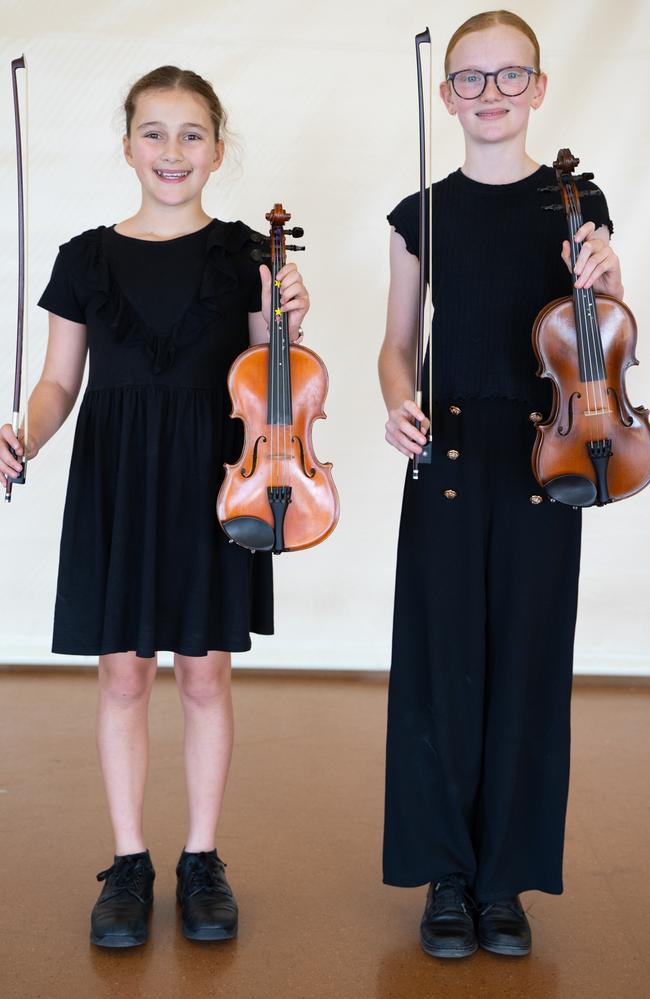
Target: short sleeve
(405, 220)
(594, 208)
(59, 296)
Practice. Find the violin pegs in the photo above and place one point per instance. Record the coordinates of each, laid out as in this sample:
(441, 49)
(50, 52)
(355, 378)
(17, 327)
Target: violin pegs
(297, 232)
(552, 208)
(260, 255)
(552, 187)
(293, 247)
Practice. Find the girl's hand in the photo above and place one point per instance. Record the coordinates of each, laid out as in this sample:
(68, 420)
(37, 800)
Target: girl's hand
(10, 466)
(597, 265)
(401, 431)
(294, 297)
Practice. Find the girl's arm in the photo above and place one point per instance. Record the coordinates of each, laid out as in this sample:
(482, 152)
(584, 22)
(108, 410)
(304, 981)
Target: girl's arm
(397, 355)
(53, 396)
(597, 264)
(293, 296)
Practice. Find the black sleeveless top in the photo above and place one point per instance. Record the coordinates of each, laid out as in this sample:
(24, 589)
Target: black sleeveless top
(496, 263)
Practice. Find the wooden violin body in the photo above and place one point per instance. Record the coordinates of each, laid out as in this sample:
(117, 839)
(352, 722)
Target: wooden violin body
(273, 451)
(595, 446)
(590, 411)
(278, 497)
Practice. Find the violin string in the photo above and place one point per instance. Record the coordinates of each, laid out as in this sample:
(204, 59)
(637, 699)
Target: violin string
(272, 366)
(594, 341)
(580, 312)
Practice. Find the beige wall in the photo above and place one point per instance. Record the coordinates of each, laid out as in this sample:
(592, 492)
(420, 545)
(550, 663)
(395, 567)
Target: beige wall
(322, 98)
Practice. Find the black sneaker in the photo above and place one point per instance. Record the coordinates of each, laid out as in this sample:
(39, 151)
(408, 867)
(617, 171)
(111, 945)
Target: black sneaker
(120, 916)
(503, 927)
(208, 905)
(447, 927)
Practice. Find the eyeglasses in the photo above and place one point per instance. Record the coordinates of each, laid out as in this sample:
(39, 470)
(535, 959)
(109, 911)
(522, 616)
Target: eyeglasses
(510, 81)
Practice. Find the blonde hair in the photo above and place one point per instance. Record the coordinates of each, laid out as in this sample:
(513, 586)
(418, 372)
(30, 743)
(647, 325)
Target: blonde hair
(173, 78)
(488, 19)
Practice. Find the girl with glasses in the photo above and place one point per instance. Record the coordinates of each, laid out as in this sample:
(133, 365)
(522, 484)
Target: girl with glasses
(163, 302)
(487, 568)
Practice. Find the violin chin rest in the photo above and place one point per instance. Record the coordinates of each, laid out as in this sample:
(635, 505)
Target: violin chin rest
(574, 490)
(250, 532)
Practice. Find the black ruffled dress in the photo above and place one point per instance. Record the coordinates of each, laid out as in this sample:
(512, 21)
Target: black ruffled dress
(144, 563)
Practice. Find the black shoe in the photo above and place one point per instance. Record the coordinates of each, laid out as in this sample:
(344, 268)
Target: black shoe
(208, 904)
(503, 927)
(120, 915)
(447, 927)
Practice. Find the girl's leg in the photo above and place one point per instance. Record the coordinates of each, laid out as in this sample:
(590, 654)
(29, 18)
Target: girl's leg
(125, 682)
(204, 686)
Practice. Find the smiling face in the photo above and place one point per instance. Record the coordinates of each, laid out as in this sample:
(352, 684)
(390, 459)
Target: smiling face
(493, 117)
(172, 145)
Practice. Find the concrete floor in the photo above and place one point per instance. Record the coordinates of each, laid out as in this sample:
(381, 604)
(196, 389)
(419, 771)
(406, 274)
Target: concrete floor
(302, 837)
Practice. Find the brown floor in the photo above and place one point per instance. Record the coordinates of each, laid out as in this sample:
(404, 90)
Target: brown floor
(302, 837)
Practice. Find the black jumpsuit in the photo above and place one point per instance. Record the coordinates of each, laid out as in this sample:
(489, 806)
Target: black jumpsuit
(487, 568)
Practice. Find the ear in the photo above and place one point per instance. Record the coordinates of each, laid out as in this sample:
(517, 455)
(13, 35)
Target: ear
(126, 149)
(446, 97)
(541, 83)
(219, 151)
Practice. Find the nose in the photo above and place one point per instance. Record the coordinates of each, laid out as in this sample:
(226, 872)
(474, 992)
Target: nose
(491, 92)
(172, 153)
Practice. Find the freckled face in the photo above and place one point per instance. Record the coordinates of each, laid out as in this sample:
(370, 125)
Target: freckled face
(172, 145)
(493, 117)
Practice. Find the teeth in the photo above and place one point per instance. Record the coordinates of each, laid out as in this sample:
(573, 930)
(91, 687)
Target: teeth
(172, 174)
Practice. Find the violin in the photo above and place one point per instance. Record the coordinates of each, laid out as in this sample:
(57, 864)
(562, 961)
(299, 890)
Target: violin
(278, 497)
(595, 446)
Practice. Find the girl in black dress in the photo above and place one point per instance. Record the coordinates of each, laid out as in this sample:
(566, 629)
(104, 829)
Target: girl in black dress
(487, 570)
(164, 302)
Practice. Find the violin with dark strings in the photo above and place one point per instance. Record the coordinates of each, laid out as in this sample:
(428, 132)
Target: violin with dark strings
(595, 446)
(278, 497)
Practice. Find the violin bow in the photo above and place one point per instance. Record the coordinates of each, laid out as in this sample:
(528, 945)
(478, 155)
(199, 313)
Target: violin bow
(424, 302)
(21, 329)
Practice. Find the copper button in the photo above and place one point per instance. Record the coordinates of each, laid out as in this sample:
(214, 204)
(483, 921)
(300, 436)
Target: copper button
(450, 494)
(455, 410)
(536, 500)
(453, 454)
(535, 417)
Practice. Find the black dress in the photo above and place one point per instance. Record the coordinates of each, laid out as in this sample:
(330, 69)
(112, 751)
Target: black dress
(487, 568)
(144, 564)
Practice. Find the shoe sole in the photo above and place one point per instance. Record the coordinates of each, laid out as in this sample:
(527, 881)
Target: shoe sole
(117, 940)
(211, 933)
(505, 950)
(461, 952)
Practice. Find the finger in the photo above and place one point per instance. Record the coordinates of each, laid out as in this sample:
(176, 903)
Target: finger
(289, 268)
(399, 445)
(587, 270)
(265, 275)
(410, 407)
(598, 272)
(10, 437)
(295, 303)
(292, 291)
(585, 230)
(411, 431)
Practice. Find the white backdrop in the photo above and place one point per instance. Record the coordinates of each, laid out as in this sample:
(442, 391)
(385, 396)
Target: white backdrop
(322, 99)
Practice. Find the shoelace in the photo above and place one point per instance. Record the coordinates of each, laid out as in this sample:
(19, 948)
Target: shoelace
(124, 875)
(449, 893)
(204, 873)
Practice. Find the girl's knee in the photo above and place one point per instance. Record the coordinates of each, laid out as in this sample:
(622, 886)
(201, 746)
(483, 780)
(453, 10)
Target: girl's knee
(202, 680)
(126, 678)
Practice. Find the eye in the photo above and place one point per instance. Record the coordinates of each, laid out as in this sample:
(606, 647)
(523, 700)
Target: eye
(152, 135)
(193, 135)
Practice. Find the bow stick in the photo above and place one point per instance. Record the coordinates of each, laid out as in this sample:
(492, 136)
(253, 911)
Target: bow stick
(17, 64)
(424, 305)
